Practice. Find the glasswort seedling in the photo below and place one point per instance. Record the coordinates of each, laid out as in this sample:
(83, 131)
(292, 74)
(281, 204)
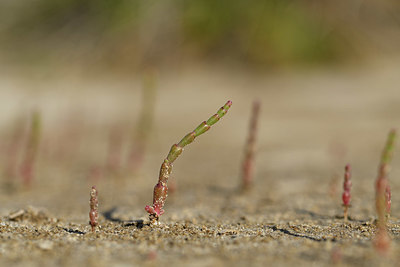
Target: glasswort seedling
(249, 155)
(94, 208)
(346, 196)
(160, 189)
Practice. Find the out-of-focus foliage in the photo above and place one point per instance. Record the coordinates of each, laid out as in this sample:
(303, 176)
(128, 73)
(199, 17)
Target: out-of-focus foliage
(123, 32)
(260, 31)
(52, 16)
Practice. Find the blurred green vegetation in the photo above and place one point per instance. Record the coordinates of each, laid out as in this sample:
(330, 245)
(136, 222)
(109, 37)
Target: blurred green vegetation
(48, 16)
(259, 31)
(128, 33)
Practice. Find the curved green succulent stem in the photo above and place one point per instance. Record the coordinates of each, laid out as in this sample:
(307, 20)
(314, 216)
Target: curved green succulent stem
(161, 190)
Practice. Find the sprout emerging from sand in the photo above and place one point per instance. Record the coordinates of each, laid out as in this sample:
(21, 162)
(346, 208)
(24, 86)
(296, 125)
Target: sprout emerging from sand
(161, 190)
(346, 196)
(388, 200)
(248, 162)
(94, 208)
(28, 163)
(382, 197)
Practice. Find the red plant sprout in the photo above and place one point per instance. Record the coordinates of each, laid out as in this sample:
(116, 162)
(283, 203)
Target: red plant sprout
(346, 196)
(248, 162)
(382, 239)
(27, 167)
(94, 208)
(388, 200)
(160, 189)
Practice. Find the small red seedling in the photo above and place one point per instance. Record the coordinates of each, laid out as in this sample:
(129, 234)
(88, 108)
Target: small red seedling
(94, 209)
(346, 196)
(382, 197)
(161, 190)
(248, 162)
(382, 239)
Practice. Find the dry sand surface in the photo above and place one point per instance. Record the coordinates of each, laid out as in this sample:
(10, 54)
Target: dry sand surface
(311, 125)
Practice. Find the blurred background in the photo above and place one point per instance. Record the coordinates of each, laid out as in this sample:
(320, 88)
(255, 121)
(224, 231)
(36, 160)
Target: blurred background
(96, 89)
(123, 35)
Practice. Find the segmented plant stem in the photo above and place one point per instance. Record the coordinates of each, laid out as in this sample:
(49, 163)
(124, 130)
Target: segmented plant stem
(382, 239)
(94, 208)
(382, 182)
(248, 162)
(346, 196)
(161, 190)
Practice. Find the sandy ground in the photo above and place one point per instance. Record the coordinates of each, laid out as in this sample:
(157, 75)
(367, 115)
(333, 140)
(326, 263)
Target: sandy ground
(311, 125)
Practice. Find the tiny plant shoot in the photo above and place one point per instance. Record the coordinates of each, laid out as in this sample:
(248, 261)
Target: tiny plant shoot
(248, 162)
(27, 168)
(382, 184)
(145, 122)
(161, 190)
(94, 208)
(346, 196)
(382, 239)
(388, 200)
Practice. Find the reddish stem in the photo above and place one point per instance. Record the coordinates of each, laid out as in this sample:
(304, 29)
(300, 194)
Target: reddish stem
(388, 199)
(248, 162)
(346, 196)
(94, 208)
(383, 195)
